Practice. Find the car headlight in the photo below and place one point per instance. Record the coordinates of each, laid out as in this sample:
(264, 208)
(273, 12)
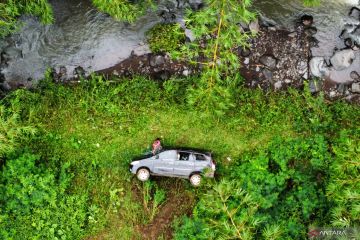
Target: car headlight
(135, 162)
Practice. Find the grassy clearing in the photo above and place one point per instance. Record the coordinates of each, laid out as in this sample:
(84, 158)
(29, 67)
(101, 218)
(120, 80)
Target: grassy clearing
(96, 128)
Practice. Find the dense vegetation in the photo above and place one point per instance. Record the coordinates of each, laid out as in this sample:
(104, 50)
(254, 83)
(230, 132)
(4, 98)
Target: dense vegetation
(10, 10)
(286, 161)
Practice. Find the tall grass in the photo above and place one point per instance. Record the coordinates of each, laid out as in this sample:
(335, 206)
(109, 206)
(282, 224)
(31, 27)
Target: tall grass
(10, 10)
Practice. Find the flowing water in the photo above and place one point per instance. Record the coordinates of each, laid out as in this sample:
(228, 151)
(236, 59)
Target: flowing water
(82, 36)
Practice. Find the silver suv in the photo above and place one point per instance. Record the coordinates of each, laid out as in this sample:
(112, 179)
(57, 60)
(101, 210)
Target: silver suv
(189, 164)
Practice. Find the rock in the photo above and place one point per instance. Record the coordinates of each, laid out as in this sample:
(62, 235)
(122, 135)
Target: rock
(310, 31)
(268, 74)
(318, 67)
(355, 13)
(302, 67)
(332, 94)
(355, 76)
(247, 61)
(79, 72)
(254, 26)
(189, 35)
(292, 35)
(344, 34)
(268, 60)
(342, 59)
(348, 42)
(157, 60)
(355, 88)
(196, 4)
(186, 72)
(307, 20)
(245, 52)
(278, 85)
(142, 49)
(266, 22)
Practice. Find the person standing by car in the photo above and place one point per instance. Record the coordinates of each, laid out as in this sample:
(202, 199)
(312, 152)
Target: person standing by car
(156, 146)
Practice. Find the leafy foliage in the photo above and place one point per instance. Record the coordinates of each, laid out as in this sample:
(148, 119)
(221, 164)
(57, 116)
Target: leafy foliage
(34, 204)
(10, 10)
(225, 212)
(165, 37)
(124, 10)
(217, 35)
(11, 130)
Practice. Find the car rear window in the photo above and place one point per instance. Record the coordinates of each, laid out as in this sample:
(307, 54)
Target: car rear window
(200, 157)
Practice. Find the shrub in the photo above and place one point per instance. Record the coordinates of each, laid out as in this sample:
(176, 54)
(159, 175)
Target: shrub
(11, 10)
(165, 37)
(34, 202)
(123, 10)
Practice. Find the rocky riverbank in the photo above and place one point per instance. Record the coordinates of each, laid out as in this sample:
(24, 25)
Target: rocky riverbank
(277, 59)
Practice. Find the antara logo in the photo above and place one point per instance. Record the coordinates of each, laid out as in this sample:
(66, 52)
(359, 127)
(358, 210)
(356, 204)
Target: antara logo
(317, 233)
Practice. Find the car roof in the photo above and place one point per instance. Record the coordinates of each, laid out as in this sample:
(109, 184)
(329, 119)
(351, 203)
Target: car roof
(189, 150)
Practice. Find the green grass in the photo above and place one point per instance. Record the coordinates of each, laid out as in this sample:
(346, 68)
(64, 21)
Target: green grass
(10, 10)
(97, 128)
(123, 10)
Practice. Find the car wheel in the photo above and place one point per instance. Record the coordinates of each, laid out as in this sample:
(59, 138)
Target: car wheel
(143, 174)
(195, 180)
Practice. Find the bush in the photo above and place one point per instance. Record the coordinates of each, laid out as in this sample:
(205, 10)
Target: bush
(11, 10)
(123, 10)
(165, 37)
(35, 204)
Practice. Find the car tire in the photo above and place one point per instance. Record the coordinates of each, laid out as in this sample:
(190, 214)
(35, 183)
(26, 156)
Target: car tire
(143, 174)
(195, 179)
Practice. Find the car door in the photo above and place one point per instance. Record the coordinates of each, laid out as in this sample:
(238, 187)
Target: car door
(164, 163)
(184, 164)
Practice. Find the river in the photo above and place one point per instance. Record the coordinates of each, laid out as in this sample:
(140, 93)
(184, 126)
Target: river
(82, 36)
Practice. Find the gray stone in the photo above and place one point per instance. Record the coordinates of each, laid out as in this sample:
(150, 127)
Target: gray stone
(254, 26)
(189, 35)
(157, 60)
(269, 61)
(278, 85)
(186, 72)
(355, 76)
(318, 67)
(332, 94)
(268, 74)
(247, 61)
(292, 35)
(142, 49)
(355, 88)
(314, 86)
(342, 59)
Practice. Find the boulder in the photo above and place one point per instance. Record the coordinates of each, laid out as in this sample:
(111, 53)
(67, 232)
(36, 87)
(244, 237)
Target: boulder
(307, 20)
(318, 67)
(355, 13)
(355, 76)
(342, 59)
(254, 26)
(189, 35)
(268, 60)
(157, 60)
(355, 88)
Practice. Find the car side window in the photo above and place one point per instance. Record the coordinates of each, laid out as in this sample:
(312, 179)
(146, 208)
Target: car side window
(200, 157)
(184, 156)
